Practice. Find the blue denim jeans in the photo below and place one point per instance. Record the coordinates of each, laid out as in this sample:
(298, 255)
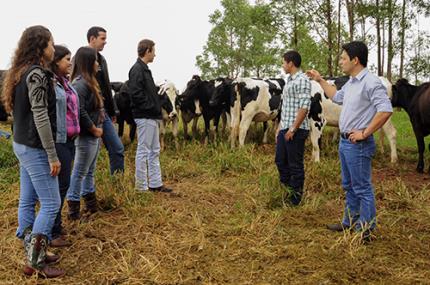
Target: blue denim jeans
(148, 171)
(66, 154)
(113, 145)
(36, 184)
(356, 168)
(82, 180)
(289, 160)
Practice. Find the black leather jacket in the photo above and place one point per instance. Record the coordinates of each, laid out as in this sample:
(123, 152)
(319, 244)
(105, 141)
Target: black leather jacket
(145, 102)
(105, 87)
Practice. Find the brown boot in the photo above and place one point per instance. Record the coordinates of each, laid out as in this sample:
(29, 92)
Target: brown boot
(36, 258)
(90, 203)
(60, 242)
(74, 210)
(52, 258)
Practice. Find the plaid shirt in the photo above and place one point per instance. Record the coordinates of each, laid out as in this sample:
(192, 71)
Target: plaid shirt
(296, 95)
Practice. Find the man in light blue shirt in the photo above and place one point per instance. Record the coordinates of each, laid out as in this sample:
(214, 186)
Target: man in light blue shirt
(365, 108)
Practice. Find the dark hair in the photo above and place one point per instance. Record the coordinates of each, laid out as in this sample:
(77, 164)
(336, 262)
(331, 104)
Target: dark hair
(60, 53)
(34, 40)
(94, 32)
(357, 49)
(83, 65)
(293, 56)
(143, 46)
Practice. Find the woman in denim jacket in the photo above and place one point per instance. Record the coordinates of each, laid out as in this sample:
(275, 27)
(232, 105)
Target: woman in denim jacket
(67, 107)
(85, 67)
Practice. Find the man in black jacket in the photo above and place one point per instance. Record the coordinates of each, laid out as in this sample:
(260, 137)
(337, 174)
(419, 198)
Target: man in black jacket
(146, 109)
(96, 37)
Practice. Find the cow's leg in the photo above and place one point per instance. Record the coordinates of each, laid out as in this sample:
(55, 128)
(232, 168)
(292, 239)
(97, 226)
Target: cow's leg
(234, 129)
(194, 128)
(185, 125)
(421, 147)
(391, 133)
(162, 134)
(382, 141)
(224, 122)
(266, 131)
(214, 131)
(315, 135)
(243, 129)
(207, 129)
(120, 127)
(175, 128)
(132, 133)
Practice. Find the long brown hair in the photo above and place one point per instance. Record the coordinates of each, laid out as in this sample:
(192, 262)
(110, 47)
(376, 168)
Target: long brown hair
(30, 51)
(83, 65)
(60, 53)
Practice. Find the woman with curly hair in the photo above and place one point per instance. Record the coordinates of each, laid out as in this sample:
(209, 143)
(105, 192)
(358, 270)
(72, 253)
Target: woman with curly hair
(87, 144)
(29, 94)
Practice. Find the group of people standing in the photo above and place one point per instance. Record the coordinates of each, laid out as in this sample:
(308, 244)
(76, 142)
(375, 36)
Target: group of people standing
(61, 107)
(365, 109)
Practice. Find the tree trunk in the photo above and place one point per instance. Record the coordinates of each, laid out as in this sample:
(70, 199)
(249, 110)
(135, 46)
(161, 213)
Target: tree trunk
(402, 38)
(383, 46)
(378, 39)
(328, 11)
(339, 7)
(295, 28)
(350, 11)
(390, 48)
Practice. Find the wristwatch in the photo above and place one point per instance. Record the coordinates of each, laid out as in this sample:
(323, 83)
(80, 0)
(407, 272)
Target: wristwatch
(292, 129)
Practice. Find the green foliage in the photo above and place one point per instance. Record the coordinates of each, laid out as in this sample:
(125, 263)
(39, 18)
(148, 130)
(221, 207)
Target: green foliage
(241, 43)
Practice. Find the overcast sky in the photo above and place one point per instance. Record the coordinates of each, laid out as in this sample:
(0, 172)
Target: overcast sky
(179, 29)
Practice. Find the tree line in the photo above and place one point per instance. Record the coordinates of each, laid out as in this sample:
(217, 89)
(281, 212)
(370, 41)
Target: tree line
(248, 39)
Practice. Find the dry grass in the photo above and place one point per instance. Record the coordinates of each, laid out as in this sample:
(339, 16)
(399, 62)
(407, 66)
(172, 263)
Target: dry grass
(228, 226)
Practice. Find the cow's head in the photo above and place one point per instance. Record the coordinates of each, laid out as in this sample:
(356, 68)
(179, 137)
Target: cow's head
(403, 92)
(222, 92)
(168, 98)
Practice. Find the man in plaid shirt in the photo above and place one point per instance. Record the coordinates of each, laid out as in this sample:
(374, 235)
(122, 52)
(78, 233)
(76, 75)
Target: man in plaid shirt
(293, 128)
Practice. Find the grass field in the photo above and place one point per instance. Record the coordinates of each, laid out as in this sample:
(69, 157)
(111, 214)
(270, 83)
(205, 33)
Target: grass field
(228, 225)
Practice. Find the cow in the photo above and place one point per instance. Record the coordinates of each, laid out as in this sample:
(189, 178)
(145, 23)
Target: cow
(255, 100)
(3, 114)
(168, 93)
(325, 112)
(415, 100)
(123, 102)
(194, 102)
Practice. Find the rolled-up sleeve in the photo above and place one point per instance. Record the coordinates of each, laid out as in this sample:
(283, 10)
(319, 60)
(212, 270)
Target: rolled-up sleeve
(305, 94)
(338, 97)
(379, 97)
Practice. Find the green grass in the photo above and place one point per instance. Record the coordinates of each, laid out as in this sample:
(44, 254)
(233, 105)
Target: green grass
(228, 224)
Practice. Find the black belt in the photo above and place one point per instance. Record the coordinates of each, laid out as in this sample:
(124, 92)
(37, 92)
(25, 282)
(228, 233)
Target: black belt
(345, 135)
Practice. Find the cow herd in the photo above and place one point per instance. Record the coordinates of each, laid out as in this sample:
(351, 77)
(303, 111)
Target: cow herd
(239, 102)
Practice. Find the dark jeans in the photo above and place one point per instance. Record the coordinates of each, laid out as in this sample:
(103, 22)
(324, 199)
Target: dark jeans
(65, 153)
(289, 160)
(114, 146)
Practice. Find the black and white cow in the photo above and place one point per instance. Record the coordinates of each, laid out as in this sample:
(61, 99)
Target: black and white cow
(324, 112)
(415, 100)
(168, 93)
(254, 100)
(194, 102)
(123, 102)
